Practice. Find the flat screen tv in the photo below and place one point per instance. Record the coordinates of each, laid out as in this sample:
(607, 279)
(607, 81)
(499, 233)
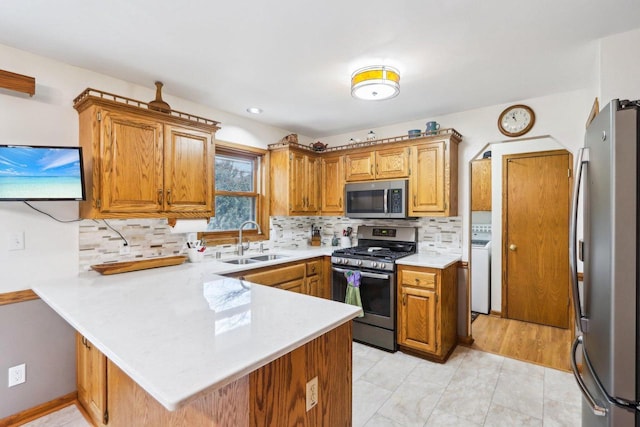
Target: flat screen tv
(41, 173)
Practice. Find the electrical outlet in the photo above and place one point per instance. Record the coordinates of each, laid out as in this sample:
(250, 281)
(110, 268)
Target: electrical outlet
(125, 249)
(16, 241)
(312, 393)
(17, 374)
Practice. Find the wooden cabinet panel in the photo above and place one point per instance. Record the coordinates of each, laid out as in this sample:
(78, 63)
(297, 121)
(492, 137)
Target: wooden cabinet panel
(294, 182)
(276, 275)
(428, 310)
(332, 185)
(314, 267)
(188, 166)
(91, 370)
(481, 185)
(392, 163)
(422, 279)
(298, 286)
(427, 179)
(418, 322)
(360, 166)
(130, 173)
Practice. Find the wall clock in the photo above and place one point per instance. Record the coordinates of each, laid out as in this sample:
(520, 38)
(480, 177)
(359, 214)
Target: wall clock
(516, 120)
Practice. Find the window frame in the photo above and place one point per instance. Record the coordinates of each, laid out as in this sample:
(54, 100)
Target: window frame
(261, 185)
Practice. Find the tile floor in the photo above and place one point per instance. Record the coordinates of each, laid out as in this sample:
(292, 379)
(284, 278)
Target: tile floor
(472, 389)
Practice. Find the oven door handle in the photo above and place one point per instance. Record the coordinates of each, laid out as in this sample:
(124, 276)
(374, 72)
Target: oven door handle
(364, 273)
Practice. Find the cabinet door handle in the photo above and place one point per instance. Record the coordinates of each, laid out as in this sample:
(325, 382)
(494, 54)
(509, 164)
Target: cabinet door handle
(417, 281)
(340, 202)
(404, 299)
(415, 200)
(371, 170)
(169, 197)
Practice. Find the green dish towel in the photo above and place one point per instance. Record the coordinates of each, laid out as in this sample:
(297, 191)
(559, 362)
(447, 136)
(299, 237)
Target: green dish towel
(353, 290)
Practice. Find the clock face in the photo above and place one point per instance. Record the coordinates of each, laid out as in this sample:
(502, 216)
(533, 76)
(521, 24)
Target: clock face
(516, 120)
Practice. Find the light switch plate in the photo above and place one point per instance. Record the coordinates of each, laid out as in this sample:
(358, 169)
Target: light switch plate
(16, 241)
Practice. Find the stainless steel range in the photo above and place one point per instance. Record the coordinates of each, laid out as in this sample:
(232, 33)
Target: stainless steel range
(374, 257)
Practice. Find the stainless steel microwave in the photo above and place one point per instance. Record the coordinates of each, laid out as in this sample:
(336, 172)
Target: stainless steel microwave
(376, 199)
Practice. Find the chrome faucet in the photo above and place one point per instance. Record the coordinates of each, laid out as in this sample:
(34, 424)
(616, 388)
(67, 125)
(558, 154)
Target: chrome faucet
(241, 247)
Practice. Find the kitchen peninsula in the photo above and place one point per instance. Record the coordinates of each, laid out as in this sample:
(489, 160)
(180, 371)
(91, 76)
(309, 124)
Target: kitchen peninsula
(185, 346)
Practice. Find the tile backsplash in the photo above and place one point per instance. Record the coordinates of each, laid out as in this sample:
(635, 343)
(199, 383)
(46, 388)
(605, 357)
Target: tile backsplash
(149, 238)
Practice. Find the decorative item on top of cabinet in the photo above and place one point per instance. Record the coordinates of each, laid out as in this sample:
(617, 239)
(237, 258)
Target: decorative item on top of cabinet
(428, 310)
(143, 163)
(481, 185)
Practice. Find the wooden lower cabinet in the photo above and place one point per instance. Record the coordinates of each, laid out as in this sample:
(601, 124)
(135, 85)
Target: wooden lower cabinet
(305, 277)
(427, 310)
(273, 395)
(91, 371)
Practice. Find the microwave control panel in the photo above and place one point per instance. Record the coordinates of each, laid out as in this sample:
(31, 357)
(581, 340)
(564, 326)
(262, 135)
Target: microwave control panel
(395, 200)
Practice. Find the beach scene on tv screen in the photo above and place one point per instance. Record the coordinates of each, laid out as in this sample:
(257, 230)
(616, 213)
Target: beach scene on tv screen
(40, 173)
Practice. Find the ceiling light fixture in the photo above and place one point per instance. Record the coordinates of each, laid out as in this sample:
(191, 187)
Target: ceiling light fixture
(254, 110)
(375, 83)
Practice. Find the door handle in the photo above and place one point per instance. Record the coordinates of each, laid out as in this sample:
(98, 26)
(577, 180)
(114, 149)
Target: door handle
(169, 197)
(597, 409)
(582, 321)
(512, 247)
(160, 198)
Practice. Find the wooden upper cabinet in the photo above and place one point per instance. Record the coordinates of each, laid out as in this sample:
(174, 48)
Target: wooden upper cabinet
(141, 163)
(433, 184)
(360, 166)
(332, 185)
(392, 163)
(385, 163)
(481, 185)
(128, 168)
(294, 182)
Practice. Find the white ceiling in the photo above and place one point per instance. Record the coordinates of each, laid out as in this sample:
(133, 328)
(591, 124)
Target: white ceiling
(294, 58)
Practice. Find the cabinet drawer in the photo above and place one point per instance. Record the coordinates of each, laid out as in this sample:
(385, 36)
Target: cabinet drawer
(277, 276)
(421, 279)
(314, 267)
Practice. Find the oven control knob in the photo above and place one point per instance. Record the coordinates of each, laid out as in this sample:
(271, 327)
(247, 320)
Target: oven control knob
(374, 264)
(359, 262)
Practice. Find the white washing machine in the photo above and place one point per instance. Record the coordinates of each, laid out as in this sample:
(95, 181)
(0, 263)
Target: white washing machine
(481, 272)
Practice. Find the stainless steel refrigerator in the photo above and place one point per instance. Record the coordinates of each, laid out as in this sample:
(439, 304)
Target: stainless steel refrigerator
(607, 310)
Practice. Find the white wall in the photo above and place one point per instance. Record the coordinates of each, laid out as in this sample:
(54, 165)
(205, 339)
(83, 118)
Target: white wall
(49, 118)
(619, 65)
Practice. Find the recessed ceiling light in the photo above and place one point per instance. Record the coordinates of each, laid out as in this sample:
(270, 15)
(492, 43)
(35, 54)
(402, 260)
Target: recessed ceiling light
(254, 110)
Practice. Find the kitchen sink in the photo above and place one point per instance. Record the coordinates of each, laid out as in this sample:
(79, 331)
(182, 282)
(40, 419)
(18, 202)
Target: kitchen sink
(241, 261)
(254, 259)
(269, 257)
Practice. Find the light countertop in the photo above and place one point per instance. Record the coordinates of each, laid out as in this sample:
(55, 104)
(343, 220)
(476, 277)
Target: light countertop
(440, 261)
(181, 331)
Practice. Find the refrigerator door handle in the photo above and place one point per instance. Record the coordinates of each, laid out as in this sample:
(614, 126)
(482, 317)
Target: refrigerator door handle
(582, 321)
(595, 407)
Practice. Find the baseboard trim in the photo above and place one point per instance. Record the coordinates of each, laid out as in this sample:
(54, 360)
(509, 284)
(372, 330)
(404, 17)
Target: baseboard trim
(495, 313)
(465, 340)
(17, 296)
(41, 410)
